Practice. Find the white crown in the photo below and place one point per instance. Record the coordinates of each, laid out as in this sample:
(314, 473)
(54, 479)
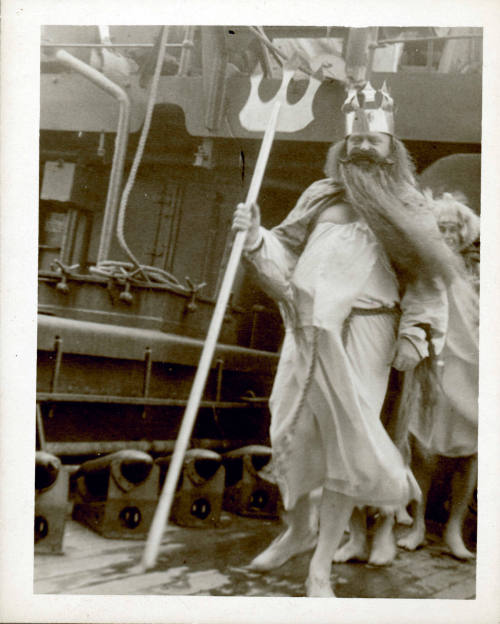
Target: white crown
(369, 110)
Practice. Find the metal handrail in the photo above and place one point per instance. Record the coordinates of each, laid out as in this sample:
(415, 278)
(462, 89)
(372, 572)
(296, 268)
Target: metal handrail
(385, 42)
(122, 130)
(184, 44)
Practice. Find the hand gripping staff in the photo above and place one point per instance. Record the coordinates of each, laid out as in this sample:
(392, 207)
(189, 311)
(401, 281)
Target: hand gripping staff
(271, 115)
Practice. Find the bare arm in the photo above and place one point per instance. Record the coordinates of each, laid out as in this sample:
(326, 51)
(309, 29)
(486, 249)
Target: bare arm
(271, 261)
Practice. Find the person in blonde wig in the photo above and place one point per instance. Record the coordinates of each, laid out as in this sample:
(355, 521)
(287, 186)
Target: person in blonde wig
(449, 427)
(357, 269)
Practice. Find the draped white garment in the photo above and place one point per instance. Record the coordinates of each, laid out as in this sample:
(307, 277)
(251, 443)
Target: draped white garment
(451, 428)
(327, 395)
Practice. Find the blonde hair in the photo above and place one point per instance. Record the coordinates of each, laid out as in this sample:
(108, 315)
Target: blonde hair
(452, 208)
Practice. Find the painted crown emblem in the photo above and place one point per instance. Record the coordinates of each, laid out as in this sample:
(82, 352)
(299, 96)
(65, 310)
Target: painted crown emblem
(369, 110)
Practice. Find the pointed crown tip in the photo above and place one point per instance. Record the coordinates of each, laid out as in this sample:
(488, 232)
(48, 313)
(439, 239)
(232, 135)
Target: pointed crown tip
(375, 104)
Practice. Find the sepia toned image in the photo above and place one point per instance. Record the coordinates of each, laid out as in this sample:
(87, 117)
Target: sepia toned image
(258, 311)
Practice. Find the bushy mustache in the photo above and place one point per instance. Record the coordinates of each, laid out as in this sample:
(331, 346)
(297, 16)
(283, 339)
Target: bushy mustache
(366, 156)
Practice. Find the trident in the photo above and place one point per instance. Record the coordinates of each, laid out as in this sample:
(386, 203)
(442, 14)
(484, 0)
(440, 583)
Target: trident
(263, 118)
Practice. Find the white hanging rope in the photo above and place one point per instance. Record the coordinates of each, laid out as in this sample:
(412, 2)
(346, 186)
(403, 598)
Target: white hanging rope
(149, 273)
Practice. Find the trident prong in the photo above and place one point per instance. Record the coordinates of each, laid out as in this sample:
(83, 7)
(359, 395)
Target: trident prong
(255, 113)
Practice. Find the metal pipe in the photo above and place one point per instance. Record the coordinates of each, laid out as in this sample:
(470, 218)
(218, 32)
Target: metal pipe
(187, 48)
(280, 57)
(220, 370)
(69, 236)
(40, 428)
(153, 446)
(183, 44)
(58, 353)
(106, 399)
(148, 365)
(115, 177)
(384, 42)
(269, 44)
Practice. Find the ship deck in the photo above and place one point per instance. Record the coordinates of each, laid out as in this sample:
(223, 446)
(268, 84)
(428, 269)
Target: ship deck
(212, 561)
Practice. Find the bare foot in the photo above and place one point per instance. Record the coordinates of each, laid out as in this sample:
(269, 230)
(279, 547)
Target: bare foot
(383, 552)
(413, 539)
(319, 587)
(384, 543)
(403, 517)
(455, 543)
(283, 548)
(356, 549)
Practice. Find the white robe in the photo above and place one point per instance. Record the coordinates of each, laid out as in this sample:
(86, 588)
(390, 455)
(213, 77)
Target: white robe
(327, 395)
(450, 428)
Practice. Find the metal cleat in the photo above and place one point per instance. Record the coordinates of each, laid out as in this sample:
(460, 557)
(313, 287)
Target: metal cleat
(198, 498)
(116, 495)
(51, 501)
(126, 296)
(65, 271)
(250, 486)
(194, 290)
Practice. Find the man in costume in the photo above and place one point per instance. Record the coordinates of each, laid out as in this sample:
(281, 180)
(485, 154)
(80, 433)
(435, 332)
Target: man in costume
(357, 269)
(449, 427)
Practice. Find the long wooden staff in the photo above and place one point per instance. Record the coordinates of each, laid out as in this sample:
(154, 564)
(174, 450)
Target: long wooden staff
(162, 512)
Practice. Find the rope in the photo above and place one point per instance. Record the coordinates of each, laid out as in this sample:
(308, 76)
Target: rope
(281, 58)
(309, 377)
(366, 312)
(126, 271)
(149, 273)
(278, 463)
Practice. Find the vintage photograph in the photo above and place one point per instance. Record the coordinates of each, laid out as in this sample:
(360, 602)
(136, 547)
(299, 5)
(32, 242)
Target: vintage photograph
(258, 311)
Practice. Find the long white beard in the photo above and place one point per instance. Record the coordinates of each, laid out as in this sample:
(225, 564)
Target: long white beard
(401, 219)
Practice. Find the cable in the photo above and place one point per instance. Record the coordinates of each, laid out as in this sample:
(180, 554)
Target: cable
(127, 272)
(281, 58)
(147, 272)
